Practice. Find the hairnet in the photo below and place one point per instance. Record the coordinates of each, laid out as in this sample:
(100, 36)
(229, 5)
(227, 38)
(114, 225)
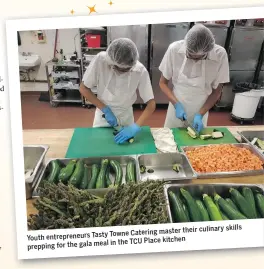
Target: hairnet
(122, 52)
(199, 40)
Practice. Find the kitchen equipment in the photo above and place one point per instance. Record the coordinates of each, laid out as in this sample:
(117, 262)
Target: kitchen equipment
(233, 173)
(248, 136)
(246, 104)
(96, 142)
(123, 160)
(162, 35)
(34, 156)
(183, 139)
(139, 34)
(160, 167)
(93, 41)
(197, 190)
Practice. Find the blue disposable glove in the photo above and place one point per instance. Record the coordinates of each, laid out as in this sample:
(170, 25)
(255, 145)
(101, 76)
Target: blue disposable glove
(127, 133)
(198, 123)
(109, 116)
(180, 113)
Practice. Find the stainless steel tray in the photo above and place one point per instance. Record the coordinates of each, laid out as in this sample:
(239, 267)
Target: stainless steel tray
(33, 160)
(232, 173)
(248, 136)
(162, 164)
(90, 161)
(196, 190)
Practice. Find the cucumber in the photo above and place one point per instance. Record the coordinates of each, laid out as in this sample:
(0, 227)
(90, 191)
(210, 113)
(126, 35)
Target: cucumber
(185, 208)
(232, 203)
(203, 211)
(54, 172)
(260, 204)
(77, 176)
(214, 212)
(227, 209)
(177, 208)
(86, 178)
(101, 180)
(115, 165)
(193, 209)
(95, 173)
(131, 172)
(249, 196)
(67, 171)
(107, 177)
(242, 203)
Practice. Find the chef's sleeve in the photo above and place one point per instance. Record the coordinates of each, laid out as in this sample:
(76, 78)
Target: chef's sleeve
(222, 75)
(145, 87)
(90, 77)
(166, 67)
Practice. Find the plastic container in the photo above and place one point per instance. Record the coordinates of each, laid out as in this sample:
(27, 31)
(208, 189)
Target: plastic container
(246, 103)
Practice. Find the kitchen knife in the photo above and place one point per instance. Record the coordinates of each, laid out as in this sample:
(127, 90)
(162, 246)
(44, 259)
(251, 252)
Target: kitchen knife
(118, 128)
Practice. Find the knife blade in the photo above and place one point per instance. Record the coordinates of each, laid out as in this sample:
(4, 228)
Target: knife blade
(188, 125)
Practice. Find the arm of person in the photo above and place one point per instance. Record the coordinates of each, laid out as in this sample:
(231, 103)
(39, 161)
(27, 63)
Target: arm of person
(146, 94)
(164, 85)
(217, 85)
(89, 81)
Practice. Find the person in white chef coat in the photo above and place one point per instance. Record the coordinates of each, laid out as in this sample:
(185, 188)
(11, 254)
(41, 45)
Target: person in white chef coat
(118, 75)
(198, 68)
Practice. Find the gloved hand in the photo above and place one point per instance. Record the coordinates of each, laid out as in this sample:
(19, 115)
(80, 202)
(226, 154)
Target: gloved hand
(198, 123)
(126, 133)
(180, 113)
(109, 116)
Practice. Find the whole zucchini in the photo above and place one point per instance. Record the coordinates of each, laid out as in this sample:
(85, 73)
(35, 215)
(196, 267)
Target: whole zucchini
(214, 212)
(95, 173)
(220, 210)
(107, 177)
(67, 171)
(86, 178)
(260, 203)
(177, 210)
(232, 203)
(77, 176)
(54, 171)
(227, 209)
(249, 196)
(193, 209)
(203, 211)
(242, 203)
(131, 172)
(115, 165)
(101, 179)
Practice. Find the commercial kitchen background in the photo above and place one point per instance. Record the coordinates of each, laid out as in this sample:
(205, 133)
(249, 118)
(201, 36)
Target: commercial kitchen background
(51, 100)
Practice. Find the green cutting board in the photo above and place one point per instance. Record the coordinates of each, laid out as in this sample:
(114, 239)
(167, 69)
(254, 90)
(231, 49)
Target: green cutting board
(183, 139)
(98, 142)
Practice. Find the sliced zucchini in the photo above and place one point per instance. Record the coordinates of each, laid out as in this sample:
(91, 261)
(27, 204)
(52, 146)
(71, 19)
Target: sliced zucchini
(216, 135)
(191, 135)
(176, 168)
(260, 144)
(142, 169)
(205, 136)
(254, 141)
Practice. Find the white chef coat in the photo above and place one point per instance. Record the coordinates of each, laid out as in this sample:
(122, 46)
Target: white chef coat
(117, 90)
(187, 74)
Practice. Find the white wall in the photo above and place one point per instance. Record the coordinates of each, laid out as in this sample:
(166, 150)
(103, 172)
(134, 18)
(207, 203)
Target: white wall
(45, 50)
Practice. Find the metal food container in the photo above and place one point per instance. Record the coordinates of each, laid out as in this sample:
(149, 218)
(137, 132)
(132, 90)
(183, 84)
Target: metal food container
(34, 156)
(248, 136)
(162, 167)
(123, 160)
(197, 190)
(251, 148)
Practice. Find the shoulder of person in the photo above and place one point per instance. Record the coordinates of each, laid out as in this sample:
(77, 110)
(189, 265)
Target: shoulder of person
(176, 46)
(139, 68)
(219, 52)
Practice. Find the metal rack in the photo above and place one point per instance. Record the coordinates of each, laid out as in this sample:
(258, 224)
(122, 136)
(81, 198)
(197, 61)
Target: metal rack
(64, 82)
(87, 55)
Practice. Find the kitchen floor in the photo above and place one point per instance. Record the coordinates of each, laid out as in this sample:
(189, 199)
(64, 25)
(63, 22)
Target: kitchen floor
(40, 115)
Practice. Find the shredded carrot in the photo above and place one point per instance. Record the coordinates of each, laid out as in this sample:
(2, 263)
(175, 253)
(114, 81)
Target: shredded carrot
(223, 158)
